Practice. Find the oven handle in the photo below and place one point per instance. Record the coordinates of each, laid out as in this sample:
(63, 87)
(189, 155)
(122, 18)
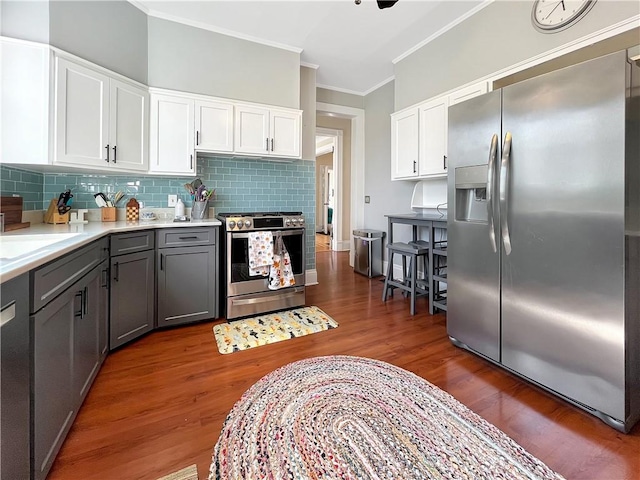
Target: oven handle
(284, 233)
(267, 299)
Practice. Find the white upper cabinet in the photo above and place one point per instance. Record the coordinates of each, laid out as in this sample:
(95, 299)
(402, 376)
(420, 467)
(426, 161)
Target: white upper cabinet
(433, 138)
(82, 115)
(285, 133)
(419, 135)
(404, 144)
(214, 126)
(100, 122)
(252, 130)
(171, 149)
(267, 132)
(128, 126)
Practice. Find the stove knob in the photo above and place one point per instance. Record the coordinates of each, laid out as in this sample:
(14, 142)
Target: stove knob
(287, 222)
(232, 223)
(247, 223)
(240, 224)
(294, 221)
(301, 221)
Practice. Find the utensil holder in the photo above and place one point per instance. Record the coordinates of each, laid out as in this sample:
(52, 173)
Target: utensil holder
(108, 214)
(199, 210)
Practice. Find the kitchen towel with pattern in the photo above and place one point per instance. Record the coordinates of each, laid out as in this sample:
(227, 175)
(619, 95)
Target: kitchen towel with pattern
(281, 274)
(260, 253)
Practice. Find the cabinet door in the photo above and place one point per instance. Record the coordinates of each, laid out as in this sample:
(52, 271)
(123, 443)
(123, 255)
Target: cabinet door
(404, 144)
(86, 335)
(251, 130)
(172, 135)
(53, 410)
(132, 297)
(433, 138)
(186, 285)
(82, 116)
(214, 126)
(128, 126)
(285, 133)
(103, 316)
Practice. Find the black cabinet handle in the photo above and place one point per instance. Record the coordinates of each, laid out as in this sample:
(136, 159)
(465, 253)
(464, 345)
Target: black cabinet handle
(191, 161)
(85, 301)
(79, 313)
(414, 166)
(444, 162)
(104, 283)
(161, 260)
(115, 154)
(267, 144)
(107, 159)
(197, 137)
(188, 238)
(272, 144)
(116, 273)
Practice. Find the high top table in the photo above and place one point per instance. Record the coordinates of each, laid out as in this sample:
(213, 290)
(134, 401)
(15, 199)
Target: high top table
(431, 223)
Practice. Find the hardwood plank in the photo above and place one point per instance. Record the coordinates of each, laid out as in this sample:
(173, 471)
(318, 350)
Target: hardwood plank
(158, 404)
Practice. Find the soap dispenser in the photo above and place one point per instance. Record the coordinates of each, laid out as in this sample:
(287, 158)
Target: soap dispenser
(179, 208)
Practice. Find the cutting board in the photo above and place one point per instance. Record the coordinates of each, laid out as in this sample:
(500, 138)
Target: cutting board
(12, 209)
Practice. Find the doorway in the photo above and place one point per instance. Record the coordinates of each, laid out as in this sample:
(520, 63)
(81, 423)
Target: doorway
(328, 193)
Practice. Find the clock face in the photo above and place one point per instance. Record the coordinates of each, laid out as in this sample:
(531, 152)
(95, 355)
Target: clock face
(555, 15)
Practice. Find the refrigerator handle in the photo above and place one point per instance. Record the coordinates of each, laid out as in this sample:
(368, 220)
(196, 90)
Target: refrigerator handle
(504, 188)
(493, 154)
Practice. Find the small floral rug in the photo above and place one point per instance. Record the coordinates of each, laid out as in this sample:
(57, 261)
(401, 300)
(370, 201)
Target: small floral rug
(270, 328)
(344, 417)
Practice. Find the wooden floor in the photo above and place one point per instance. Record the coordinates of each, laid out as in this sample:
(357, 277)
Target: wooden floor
(158, 404)
(323, 242)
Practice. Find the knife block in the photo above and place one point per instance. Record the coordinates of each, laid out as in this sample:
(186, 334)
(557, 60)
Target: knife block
(108, 214)
(52, 215)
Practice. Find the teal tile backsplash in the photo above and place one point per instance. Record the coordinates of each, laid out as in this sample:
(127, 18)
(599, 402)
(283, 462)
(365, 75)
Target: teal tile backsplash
(242, 184)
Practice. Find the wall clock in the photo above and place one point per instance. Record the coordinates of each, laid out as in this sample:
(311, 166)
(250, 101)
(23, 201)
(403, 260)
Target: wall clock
(551, 16)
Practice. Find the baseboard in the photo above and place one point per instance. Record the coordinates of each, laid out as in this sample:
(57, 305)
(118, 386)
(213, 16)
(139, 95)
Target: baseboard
(343, 245)
(311, 277)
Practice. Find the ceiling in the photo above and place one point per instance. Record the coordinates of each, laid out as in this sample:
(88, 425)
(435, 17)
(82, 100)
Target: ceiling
(353, 46)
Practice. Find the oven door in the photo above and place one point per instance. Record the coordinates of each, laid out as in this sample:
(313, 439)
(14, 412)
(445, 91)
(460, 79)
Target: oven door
(239, 281)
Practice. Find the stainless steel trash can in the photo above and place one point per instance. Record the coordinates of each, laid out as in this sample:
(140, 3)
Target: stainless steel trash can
(368, 252)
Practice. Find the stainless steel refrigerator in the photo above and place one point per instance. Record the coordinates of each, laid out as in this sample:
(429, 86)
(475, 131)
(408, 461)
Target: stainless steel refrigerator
(544, 233)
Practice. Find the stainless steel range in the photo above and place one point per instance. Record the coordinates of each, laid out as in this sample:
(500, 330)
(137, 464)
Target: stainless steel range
(248, 294)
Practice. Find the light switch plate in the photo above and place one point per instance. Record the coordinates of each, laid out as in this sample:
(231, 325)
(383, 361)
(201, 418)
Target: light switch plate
(367, 199)
(172, 200)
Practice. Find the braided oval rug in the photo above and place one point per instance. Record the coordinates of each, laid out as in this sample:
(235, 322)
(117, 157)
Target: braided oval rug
(342, 417)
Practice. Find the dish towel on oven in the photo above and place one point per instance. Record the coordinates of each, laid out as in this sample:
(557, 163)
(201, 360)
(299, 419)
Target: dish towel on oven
(281, 274)
(260, 253)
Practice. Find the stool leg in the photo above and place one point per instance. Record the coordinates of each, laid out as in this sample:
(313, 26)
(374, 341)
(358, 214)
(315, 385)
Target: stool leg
(414, 270)
(386, 280)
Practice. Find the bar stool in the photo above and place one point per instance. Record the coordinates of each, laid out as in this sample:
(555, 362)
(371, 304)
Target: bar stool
(413, 252)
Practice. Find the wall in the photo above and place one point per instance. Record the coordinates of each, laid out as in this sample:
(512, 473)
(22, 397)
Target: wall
(29, 185)
(321, 161)
(194, 60)
(242, 184)
(334, 97)
(343, 124)
(495, 38)
(112, 34)
(25, 20)
(387, 197)
(308, 107)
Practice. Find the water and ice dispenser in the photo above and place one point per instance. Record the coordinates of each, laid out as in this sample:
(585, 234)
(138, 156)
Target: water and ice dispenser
(471, 194)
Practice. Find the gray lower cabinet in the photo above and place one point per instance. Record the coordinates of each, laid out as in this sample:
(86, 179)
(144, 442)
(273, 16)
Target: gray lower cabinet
(187, 277)
(67, 351)
(14, 378)
(132, 286)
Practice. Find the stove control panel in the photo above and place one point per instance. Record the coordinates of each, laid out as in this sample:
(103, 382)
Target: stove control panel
(263, 223)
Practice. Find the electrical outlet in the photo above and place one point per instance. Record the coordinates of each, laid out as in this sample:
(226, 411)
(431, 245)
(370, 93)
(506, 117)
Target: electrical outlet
(367, 199)
(172, 200)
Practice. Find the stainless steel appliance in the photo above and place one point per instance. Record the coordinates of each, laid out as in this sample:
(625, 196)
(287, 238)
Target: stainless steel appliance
(544, 225)
(368, 252)
(247, 294)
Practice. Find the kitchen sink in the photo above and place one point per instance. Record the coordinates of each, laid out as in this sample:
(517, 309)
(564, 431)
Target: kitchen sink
(20, 245)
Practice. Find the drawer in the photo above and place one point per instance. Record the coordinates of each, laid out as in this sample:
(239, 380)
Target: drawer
(185, 237)
(122, 243)
(54, 278)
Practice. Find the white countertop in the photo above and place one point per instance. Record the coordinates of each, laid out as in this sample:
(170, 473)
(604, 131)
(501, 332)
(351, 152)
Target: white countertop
(86, 233)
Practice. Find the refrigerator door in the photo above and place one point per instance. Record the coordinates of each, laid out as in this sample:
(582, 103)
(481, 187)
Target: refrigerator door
(473, 268)
(563, 281)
